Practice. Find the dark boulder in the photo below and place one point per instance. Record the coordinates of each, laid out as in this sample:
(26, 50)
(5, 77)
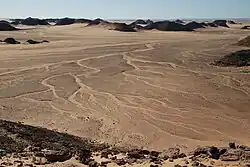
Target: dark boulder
(11, 41)
(57, 156)
(167, 26)
(194, 25)
(244, 42)
(7, 27)
(149, 21)
(238, 59)
(33, 22)
(65, 21)
(222, 23)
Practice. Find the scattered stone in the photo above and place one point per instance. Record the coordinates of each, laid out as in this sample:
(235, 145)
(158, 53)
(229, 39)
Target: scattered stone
(195, 163)
(39, 154)
(29, 165)
(113, 158)
(33, 22)
(105, 163)
(182, 155)
(186, 161)
(154, 153)
(11, 41)
(177, 165)
(30, 41)
(120, 162)
(93, 164)
(3, 153)
(232, 145)
(154, 165)
(39, 160)
(145, 152)
(171, 160)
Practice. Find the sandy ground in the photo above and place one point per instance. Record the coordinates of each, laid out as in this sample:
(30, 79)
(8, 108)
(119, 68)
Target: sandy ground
(149, 89)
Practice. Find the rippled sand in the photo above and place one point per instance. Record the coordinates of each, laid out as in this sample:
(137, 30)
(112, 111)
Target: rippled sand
(151, 89)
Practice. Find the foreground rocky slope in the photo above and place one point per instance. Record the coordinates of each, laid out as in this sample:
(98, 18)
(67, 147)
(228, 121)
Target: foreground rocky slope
(23, 145)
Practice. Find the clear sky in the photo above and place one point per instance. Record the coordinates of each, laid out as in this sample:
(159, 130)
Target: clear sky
(126, 9)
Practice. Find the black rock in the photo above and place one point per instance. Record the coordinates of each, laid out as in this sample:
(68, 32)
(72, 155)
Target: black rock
(120, 162)
(155, 153)
(11, 41)
(7, 27)
(232, 155)
(57, 156)
(232, 145)
(167, 26)
(65, 21)
(82, 21)
(135, 154)
(33, 22)
(222, 23)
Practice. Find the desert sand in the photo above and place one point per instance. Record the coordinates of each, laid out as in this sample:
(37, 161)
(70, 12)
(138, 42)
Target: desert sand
(148, 89)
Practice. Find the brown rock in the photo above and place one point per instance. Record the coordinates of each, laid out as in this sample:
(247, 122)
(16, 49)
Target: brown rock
(93, 164)
(120, 162)
(231, 155)
(172, 153)
(232, 145)
(57, 156)
(135, 154)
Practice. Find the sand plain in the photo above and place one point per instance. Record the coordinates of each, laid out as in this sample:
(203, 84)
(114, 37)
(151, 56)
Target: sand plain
(149, 89)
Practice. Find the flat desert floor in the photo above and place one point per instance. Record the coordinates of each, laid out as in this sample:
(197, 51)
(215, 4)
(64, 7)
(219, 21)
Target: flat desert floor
(149, 89)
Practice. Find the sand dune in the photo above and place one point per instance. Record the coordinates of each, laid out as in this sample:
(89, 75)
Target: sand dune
(151, 89)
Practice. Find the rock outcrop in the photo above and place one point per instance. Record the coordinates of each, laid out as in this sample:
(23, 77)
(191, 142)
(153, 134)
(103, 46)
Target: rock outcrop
(82, 21)
(194, 25)
(222, 23)
(33, 22)
(244, 42)
(65, 21)
(123, 27)
(7, 27)
(179, 21)
(167, 26)
(238, 59)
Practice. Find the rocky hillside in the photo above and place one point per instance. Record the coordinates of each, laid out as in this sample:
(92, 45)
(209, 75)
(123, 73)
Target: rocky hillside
(23, 145)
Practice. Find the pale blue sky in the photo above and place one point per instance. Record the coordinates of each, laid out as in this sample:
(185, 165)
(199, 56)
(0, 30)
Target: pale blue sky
(126, 9)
